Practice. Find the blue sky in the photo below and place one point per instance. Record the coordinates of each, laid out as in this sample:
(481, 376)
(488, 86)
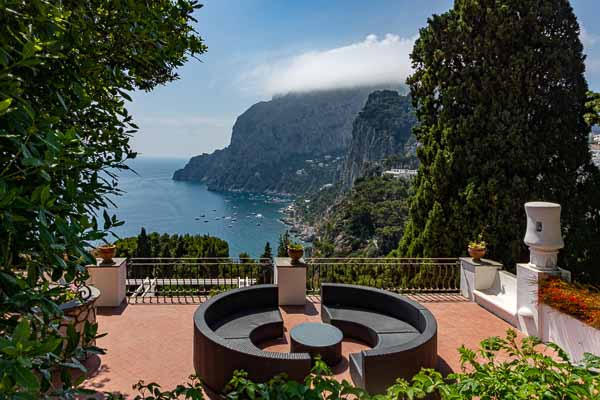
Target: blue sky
(260, 47)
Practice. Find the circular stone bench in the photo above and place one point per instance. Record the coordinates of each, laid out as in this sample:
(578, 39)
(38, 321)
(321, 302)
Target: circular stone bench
(227, 329)
(401, 332)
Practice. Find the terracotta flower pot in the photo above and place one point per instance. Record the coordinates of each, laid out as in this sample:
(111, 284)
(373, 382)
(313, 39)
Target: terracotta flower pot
(295, 254)
(107, 253)
(477, 252)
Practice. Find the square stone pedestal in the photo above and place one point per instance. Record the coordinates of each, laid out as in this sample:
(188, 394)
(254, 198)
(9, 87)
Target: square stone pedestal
(291, 281)
(476, 275)
(110, 280)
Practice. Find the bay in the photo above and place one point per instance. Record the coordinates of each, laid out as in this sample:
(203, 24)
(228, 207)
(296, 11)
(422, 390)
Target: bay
(154, 201)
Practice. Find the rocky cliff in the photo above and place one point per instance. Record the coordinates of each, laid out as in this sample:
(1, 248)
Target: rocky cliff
(382, 130)
(291, 144)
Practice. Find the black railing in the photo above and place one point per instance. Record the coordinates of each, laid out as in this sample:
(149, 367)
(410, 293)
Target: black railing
(192, 277)
(155, 278)
(402, 275)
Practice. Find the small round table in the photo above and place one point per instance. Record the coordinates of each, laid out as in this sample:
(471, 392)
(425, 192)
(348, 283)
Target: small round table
(317, 338)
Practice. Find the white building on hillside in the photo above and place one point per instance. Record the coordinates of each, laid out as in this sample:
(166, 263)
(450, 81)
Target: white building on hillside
(400, 173)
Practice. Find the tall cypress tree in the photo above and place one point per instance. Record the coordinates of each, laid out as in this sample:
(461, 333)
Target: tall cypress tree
(143, 245)
(284, 241)
(500, 97)
(267, 253)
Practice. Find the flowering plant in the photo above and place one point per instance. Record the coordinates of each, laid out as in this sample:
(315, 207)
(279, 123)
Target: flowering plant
(478, 243)
(577, 301)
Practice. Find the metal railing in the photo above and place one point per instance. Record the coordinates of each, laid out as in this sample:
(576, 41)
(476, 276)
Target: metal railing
(192, 277)
(149, 278)
(402, 275)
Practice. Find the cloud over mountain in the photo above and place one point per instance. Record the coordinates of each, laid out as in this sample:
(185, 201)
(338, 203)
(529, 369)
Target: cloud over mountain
(373, 61)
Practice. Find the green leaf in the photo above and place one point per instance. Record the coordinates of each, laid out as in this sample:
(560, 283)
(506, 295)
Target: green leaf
(4, 104)
(25, 378)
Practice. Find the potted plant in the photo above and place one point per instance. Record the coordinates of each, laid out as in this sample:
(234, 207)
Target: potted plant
(477, 248)
(106, 252)
(295, 252)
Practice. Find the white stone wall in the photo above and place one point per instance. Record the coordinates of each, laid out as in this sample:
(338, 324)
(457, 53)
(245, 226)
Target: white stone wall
(572, 335)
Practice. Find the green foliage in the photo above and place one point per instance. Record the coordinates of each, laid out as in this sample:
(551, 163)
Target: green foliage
(284, 241)
(152, 391)
(529, 373)
(592, 117)
(478, 243)
(66, 71)
(500, 95)
(369, 218)
(155, 245)
(267, 253)
(501, 369)
(295, 246)
(319, 384)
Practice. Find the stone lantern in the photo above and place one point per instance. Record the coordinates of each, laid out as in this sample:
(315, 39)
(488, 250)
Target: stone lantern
(543, 236)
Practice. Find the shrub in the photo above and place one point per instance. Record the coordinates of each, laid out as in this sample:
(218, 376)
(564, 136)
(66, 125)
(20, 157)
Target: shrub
(67, 69)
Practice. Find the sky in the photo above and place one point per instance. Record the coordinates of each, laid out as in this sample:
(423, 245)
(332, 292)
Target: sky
(258, 48)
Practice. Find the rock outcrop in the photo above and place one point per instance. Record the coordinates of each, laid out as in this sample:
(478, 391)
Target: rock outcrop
(290, 144)
(382, 129)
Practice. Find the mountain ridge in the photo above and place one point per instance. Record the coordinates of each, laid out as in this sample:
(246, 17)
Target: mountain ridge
(291, 144)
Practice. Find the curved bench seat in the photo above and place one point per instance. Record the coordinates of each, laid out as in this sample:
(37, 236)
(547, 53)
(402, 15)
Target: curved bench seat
(401, 332)
(227, 329)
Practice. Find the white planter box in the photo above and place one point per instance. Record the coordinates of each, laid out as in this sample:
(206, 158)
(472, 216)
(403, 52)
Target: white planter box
(572, 335)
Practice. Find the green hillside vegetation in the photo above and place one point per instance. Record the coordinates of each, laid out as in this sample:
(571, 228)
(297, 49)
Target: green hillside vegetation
(156, 245)
(369, 220)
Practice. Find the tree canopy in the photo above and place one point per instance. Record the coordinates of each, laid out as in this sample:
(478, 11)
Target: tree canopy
(500, 94)
(67, 69)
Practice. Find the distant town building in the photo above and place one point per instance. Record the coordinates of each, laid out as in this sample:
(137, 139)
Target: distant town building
(400, 172)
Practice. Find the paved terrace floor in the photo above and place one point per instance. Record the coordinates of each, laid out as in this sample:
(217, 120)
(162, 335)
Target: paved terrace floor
(153, 342)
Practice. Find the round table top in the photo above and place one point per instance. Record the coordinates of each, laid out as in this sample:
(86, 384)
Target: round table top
(316, 334)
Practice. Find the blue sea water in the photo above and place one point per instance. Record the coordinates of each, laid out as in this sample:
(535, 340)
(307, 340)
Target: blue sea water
(154, 201)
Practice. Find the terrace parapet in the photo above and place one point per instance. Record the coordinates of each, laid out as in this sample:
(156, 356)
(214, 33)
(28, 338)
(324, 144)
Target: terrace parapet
(476, 275)
(290, 279)
(110, 279)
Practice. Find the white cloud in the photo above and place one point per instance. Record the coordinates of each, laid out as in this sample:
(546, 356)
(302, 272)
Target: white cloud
(373, 61)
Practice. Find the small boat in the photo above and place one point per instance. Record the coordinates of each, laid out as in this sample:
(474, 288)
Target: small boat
(205, 221)
(197, 218)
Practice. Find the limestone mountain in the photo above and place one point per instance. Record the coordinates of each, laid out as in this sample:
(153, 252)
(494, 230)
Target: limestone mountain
(381, 131)
(291, 144)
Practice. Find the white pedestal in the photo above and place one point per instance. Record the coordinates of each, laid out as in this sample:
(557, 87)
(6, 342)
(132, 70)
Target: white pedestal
(110, 280)
(476, 275)
(528, 313)
(291, 282)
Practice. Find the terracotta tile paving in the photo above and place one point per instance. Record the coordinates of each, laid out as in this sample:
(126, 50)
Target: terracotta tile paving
(153, 342)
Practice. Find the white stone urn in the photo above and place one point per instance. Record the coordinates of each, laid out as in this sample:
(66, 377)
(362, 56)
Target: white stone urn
(543, 236)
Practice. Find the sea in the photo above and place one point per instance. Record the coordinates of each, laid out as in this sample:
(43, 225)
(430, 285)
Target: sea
(152, 200)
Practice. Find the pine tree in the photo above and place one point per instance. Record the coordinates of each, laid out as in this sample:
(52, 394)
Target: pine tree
(143, 245)
(500, 97)
(267, 253)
